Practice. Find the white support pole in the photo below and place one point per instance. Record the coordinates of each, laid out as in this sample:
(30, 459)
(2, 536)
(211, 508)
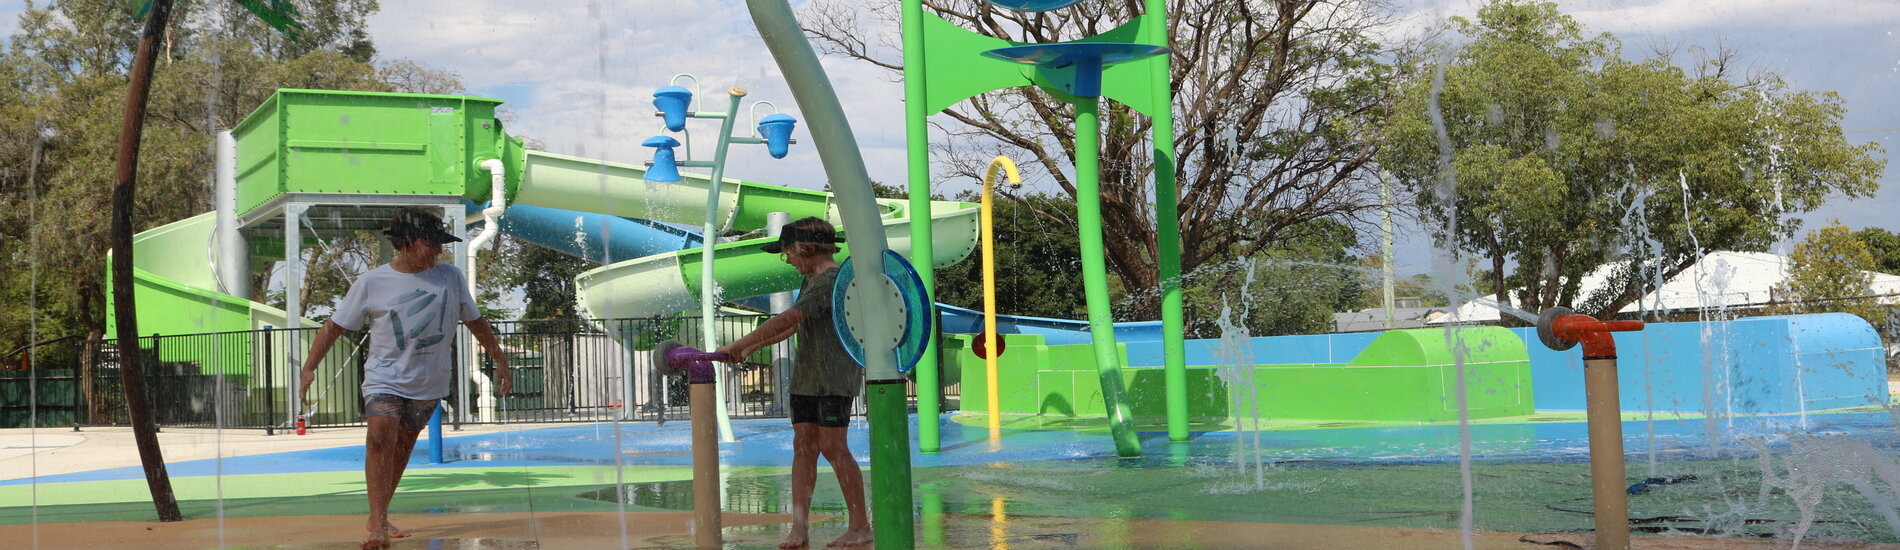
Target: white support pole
(1385, 251)
(457, 250)
(293, 307)
(781, 301)
(708, 308)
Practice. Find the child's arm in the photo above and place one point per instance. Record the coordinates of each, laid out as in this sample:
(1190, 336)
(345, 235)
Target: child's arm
(775, 330)
(486, 336)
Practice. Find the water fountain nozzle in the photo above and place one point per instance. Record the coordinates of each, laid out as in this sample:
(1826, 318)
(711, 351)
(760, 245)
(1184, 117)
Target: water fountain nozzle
(672, 102)
(1559, 328)
(776, 128)
(665, 166)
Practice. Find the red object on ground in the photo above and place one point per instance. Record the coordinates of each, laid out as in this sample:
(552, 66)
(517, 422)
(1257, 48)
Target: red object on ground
(301, 424)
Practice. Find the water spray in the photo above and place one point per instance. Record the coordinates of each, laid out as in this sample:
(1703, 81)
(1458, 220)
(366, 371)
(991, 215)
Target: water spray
(1560, 329)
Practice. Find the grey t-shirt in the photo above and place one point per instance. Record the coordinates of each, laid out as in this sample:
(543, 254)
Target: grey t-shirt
(821, 367)
(411, 316)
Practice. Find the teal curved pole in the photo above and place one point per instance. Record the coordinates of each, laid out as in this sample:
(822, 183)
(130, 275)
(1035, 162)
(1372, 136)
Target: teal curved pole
(1088, 204)
(891, 510)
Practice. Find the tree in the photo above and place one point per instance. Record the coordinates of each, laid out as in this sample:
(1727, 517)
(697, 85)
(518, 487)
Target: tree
(64, 70)
(545, 277)
(1038, 261)
(1276, 112)
(1293, 288)
(1550, 155)
(1829, 272)
(1884, 246)
(1418, 285)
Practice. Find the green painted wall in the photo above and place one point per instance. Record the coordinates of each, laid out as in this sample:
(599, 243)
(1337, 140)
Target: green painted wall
(1402, 376)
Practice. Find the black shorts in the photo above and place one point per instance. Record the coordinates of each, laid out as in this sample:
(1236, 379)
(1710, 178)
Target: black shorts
(412, 414)
(830, 411)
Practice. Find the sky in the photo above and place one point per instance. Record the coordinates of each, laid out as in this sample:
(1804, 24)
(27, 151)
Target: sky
(578, 74)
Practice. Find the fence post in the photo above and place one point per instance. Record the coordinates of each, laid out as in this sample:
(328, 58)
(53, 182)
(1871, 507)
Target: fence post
(79, 383)
(152, 391)
(270, 402)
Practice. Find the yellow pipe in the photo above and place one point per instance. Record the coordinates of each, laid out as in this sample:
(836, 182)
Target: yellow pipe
(989, 288)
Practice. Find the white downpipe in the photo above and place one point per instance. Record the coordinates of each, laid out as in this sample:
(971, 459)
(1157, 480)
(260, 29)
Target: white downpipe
(491, 227)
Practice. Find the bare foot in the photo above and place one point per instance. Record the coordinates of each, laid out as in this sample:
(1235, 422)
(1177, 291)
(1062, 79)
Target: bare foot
(376, 541)
(856, 536)
(394, 532)
(798, 539)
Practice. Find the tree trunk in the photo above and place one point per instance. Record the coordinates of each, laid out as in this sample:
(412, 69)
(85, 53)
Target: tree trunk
(144, 430)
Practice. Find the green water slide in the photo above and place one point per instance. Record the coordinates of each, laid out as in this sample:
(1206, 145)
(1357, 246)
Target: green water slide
(670, 282)
(355, 154)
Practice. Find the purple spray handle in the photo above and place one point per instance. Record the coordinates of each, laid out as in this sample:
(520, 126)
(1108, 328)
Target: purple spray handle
(697, 364)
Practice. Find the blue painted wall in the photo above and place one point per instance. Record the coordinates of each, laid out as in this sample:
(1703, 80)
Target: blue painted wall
(1757, 365)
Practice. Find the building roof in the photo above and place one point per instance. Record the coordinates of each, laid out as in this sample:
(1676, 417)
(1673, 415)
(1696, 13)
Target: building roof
(1374, 319)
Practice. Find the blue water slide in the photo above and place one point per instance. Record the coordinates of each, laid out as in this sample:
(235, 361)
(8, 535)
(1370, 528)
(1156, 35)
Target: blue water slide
(598, 238)
(958, 320)
(603, 238)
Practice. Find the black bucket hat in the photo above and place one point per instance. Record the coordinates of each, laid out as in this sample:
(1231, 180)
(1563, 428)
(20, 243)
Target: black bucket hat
(419, 224)
(802, 235)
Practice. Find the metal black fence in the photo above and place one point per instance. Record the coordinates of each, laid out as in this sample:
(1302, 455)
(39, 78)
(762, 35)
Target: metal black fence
(563, 370)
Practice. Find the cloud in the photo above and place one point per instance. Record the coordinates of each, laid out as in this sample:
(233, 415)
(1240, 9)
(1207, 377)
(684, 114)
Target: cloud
(579, 76)
(1665, 16)
(1678, 15)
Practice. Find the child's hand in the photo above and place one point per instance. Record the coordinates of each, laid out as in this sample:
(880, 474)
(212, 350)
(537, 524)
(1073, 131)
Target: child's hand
(733, 353)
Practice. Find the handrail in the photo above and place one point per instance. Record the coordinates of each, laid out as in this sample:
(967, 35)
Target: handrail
(18, 350)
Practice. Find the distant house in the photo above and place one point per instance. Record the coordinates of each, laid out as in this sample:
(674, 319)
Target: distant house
(1735, 282)
(1374, 319)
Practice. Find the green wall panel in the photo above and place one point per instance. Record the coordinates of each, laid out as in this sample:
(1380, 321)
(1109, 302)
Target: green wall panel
(1404, 376)
(327, 141)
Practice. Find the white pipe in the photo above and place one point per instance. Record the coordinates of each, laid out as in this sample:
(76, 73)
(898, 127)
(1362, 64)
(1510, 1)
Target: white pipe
(491, 227)
(233, 267)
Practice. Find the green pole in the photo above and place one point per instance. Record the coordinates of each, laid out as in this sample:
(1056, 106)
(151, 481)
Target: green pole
(1167, 229)
(1088, 204)
(890, 465)
(922, 256)
(933, 514)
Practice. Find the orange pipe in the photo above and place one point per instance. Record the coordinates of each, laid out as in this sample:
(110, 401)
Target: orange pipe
(1594, 334)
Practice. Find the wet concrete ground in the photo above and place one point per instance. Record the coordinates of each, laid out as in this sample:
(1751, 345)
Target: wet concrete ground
(666, 530)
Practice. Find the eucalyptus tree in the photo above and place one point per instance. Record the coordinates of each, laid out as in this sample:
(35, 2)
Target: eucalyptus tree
(1276, 116)
(1830, 271)
(1551, 155)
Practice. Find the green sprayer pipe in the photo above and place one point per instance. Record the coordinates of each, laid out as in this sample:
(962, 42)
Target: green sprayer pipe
(893, 524)
(892, 518)
(1088, 204)
(917, 151)
(1167, 228)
